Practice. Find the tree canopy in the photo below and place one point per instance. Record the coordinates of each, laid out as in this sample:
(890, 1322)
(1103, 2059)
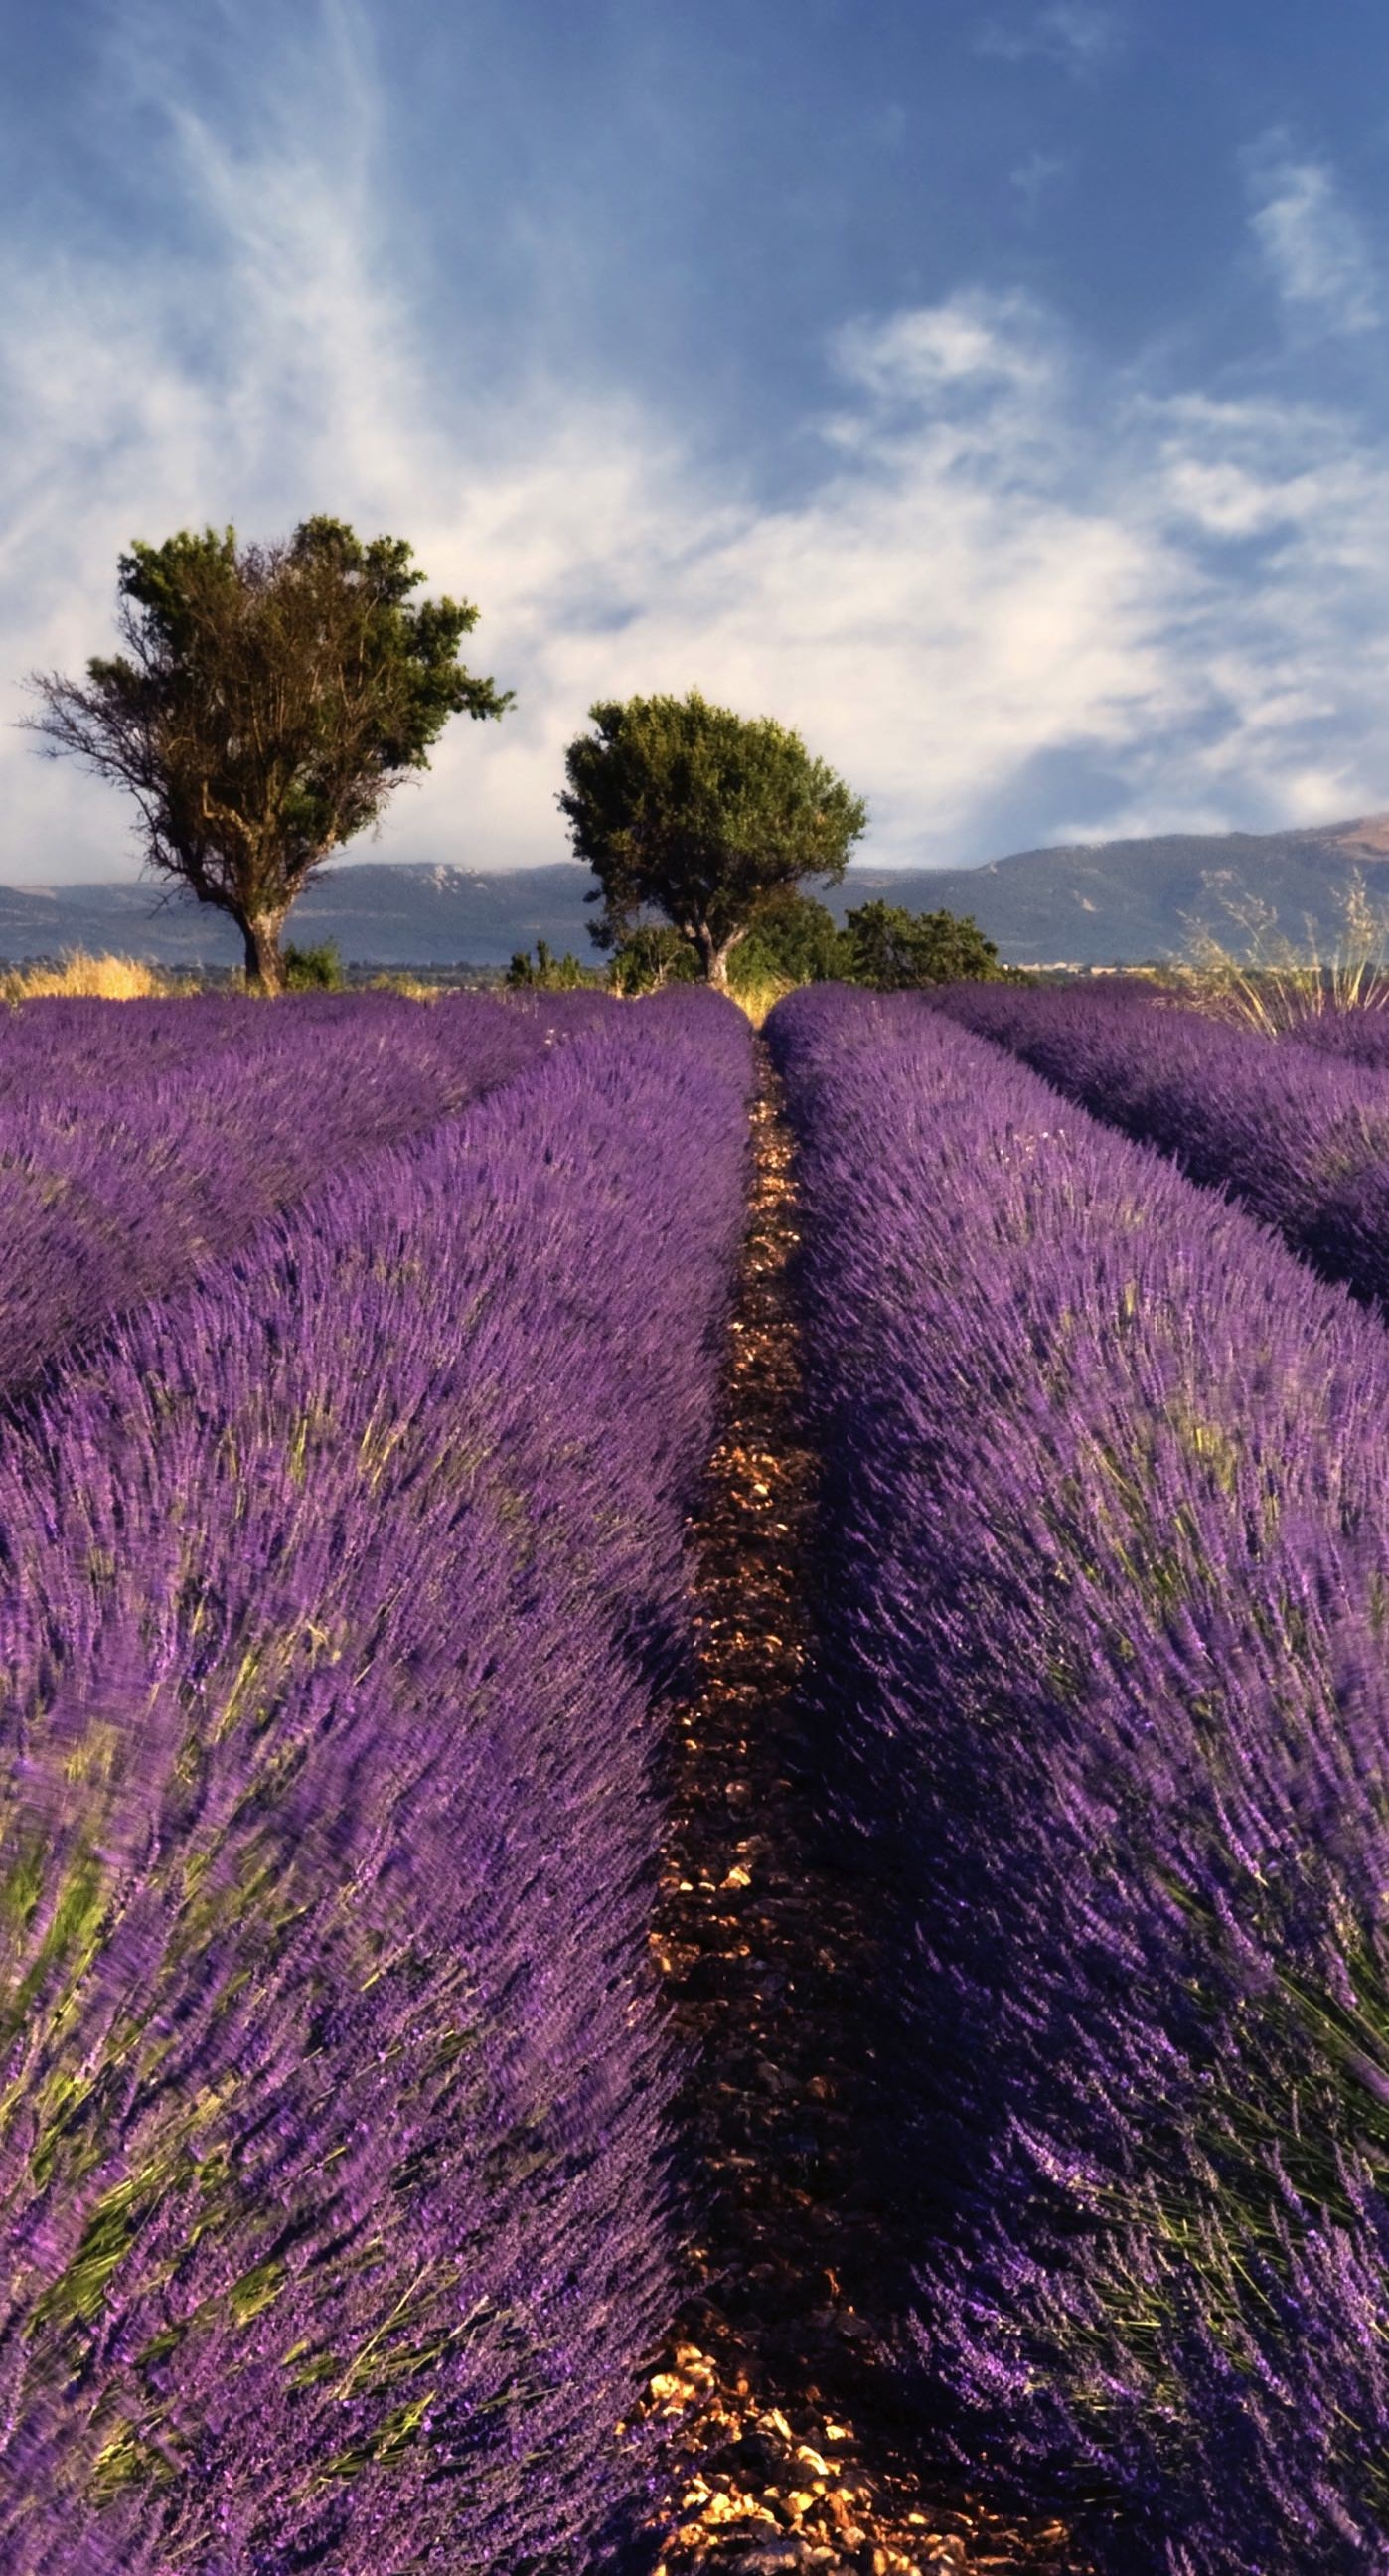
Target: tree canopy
(793, 940)
(267, 701)
(884, 945)
(701, 817)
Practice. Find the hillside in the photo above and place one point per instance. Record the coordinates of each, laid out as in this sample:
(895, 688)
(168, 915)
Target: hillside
(1094, 902)
(1089, 902)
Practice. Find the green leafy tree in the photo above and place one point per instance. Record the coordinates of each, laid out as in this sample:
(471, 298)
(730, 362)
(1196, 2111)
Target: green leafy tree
(649, 958)
(701, 817)
(265, 704)
(313, 970)
(546, 973)
(793, 940)
(890, 948)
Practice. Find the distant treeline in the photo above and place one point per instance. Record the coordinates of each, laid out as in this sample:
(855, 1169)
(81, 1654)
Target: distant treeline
(792, 940)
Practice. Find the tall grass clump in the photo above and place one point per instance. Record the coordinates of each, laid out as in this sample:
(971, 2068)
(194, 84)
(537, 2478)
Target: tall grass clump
(335, 2165)
(1259, 978)
(758, 995)
(82, 978)
(1105, 1720)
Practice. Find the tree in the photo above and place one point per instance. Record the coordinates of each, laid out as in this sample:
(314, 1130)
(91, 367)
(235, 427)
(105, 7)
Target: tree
(313, 970)
(545, 972)
(648, 958)
(702, 817)
(267, 701)
(793, 940)
(890, 948)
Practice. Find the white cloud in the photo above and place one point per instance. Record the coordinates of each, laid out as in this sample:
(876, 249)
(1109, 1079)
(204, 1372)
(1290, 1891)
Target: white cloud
(1001, 570)
(923, 354)
(1313, 246)
(1078, 34)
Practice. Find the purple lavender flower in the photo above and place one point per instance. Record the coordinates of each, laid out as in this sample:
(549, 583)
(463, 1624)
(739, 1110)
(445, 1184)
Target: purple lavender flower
(335, 2160)
(212, 1118)
(1301, 1138)
(1104, 1714)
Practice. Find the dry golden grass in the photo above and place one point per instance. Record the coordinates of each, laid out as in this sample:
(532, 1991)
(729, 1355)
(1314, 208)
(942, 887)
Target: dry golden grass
(409, 987)
(1270, 983)
(96, 979)
(757, 999)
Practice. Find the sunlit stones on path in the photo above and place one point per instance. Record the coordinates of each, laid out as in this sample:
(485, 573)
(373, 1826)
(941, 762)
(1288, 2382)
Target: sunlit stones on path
(768, 2390)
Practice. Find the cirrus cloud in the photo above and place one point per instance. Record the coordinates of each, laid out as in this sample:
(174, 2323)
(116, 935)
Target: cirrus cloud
(1011, 600)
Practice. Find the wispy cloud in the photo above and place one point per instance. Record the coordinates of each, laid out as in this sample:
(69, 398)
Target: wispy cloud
(1314, 247)
(1035, 178)
(998, 573)
(1077, 34)
(927, 354)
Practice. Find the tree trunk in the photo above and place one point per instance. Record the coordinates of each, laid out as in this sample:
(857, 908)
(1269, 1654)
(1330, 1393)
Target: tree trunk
(714, 958)
(264, 970)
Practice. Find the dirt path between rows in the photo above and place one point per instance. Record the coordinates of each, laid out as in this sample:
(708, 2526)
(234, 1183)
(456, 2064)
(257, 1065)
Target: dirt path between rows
(774, 2385)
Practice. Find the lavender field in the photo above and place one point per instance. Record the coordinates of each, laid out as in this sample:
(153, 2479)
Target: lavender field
(1103, 1711)
(536, 1714)
(339, 1582)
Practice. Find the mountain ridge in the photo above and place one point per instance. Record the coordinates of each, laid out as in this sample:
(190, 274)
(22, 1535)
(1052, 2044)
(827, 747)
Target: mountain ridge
(1082, 902)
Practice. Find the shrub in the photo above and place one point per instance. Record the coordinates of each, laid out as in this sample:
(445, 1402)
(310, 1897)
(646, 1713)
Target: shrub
(1302, 1139)
(546, 973)
(894, 950)
(333, 2146)
(313, 970)
(127, 1188)
(1105, 1720)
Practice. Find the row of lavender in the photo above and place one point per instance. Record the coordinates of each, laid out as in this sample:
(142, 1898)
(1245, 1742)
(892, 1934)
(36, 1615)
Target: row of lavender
(1298, 1131)
(57, 1048)
(54, 1050)
(211, 1115)
(1107, 1720)
(334, 2165)
(1357, 1033)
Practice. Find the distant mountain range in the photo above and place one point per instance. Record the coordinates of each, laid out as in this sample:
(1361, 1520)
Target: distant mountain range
(1089, 903)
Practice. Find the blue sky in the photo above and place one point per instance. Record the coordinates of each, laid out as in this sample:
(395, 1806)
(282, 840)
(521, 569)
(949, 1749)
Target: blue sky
(997, 392)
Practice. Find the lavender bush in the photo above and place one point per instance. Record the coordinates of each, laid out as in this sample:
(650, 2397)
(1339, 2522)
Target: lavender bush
(333, 2153)
(1359, 1034)
(108, 1195)
(54, 1048)
(1106, 1714)
(1303, 1142)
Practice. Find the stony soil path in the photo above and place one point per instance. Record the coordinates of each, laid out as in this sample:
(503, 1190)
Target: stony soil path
(773, 2389)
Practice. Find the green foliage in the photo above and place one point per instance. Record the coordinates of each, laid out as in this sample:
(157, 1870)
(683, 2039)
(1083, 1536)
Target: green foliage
(702, 817)
(313, 970)
(792, 940)
(892, 949)
(649, 957)
(267, 701)
(546, 973)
